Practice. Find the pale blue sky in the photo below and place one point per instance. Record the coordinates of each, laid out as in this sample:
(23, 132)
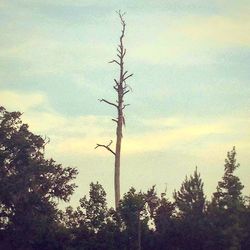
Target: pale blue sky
(190, 102)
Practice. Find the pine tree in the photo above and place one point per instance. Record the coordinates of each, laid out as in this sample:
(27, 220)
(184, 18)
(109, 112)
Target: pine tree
(191, 222)
(228, 194)
(226, 207)
(190, 200)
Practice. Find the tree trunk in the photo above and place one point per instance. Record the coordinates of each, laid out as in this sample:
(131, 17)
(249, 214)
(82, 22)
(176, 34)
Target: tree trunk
(118, 160)
(122, 89)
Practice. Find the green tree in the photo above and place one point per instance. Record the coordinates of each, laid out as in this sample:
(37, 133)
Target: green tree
(92, 225)
(190, 204)
(245, 219)
(226, 207)
(133, 213)
(190, 200)
(95, 208)
(229, 191)
(166, 233)
(30, 185)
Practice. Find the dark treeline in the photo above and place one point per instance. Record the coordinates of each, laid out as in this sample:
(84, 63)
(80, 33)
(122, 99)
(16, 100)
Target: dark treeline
(31, 187)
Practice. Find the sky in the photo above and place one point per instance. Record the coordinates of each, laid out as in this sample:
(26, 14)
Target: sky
(190, 102)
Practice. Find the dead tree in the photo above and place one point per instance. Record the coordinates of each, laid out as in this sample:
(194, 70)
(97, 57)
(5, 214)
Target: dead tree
(121, 88)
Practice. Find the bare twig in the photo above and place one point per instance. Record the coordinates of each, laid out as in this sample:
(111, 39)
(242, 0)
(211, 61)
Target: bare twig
(114, 61)
(117, 83)
(124, 53)
(125, 73)
(125, 92)
(125, 105)
(108, 102)
(127, 77)
(106, 146)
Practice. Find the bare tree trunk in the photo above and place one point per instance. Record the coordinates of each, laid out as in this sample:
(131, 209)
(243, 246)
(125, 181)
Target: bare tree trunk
(122, 89)
(118, 162)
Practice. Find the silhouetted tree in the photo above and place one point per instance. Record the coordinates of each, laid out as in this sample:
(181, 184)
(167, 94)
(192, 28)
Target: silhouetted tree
(190, 200)
(226, 207)
(190, 204)
(245, 222)
(229, 191)
(133, 214)
(30, 186)
(166, 234)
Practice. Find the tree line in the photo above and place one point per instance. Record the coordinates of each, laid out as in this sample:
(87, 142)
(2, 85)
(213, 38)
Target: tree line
(32, 186)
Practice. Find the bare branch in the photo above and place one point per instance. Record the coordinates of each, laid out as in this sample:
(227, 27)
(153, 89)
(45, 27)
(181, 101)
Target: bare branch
(121, 15)
(110, 103)
(124, 93)
(127, 77)
(106, 146)
(114, 61)
(119, 51)
(124, 73)
(124, 53)
(115, 120)
(125, 105)
(117, 83)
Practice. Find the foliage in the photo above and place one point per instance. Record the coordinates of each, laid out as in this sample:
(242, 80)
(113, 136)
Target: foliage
(190, 200)
(190, 204)
(227, 207)
(30, 185)
(228, 195)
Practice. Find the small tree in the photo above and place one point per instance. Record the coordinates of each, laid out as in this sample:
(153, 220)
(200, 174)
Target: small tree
(226, 207)
(121, 88)
(134, 217)
(165, 225)
(95, 208)
(190, 200)
(228, 194)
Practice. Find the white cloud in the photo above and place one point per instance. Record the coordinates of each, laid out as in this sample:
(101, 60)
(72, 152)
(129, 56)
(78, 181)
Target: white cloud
(218, 31)
(187, 39)
(79, 135)
(183, 132)
(163, 140)
(21, 101)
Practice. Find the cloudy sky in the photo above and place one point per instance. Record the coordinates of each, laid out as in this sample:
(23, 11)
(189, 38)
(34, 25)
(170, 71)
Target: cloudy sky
(191, 87)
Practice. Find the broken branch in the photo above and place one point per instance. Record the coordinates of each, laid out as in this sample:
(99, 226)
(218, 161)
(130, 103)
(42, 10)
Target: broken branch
(106, 146)
(110, 103)
(125, 105)
(127, 77)
(124, 93)
(114, 61)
